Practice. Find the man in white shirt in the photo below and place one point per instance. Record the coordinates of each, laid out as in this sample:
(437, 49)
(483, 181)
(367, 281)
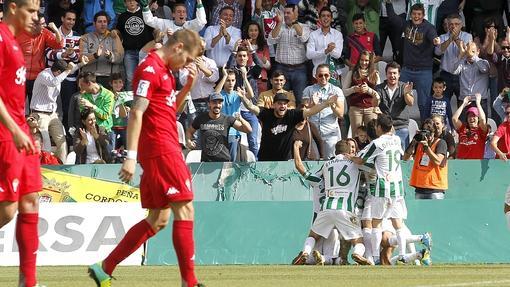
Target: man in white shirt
(220, 39)
(325, 41)
(44, 103)
(179, 21)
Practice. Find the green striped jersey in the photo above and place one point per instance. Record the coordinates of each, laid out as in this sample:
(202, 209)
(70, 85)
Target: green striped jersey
(384, 154)
(317, 183)
(430, 6)
(341, 180)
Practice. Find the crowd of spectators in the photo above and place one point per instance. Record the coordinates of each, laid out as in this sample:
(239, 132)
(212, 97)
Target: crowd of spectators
(277, 71)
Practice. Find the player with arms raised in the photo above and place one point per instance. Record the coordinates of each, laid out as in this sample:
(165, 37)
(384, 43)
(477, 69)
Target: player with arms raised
(20, 172)
(165, 185)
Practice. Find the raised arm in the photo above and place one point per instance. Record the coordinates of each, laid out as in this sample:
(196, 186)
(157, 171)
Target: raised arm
(455, 118)
(241, 124)
(247, 102)
(298, 163)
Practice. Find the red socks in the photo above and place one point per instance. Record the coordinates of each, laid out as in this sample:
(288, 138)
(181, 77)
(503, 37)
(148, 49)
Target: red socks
(28, 243)
(133, 239)
(185, 249)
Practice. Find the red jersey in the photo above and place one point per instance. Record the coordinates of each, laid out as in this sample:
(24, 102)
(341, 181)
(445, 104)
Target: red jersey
(503, 133)
(471, 143)
(155, 82)
(12, 89)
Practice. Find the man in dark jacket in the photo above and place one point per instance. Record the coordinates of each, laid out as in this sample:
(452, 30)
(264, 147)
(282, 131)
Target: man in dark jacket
(393, 98)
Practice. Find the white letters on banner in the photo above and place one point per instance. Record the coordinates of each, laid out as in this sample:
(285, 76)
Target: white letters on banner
(76, 233)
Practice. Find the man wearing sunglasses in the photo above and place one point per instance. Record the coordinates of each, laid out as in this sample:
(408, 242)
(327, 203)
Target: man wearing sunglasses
(500, 142)
(326, 119)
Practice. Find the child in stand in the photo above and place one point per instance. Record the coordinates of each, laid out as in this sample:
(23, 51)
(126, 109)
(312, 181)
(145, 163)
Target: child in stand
(439, 105)
(121, 109)
(362, 137)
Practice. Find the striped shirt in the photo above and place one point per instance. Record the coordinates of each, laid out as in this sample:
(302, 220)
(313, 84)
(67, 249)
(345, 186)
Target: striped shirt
(71, 40)
(384, 154)
(341, 182)
(46, 90)
(291, 49)
(316, 181)
(430, 6)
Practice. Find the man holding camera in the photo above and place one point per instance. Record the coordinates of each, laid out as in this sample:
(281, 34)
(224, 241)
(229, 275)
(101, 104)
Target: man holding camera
(429, 175)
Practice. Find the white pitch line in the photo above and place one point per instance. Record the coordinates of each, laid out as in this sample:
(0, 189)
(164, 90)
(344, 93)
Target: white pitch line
(479, 283)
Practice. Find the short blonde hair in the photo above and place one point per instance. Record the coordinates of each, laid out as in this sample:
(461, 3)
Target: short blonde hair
(190, 39)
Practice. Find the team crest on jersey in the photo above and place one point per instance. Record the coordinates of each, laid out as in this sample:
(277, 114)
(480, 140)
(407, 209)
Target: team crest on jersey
(1, 189)
(165, 77)
(170, 100)
(143, 88)
(149, 69)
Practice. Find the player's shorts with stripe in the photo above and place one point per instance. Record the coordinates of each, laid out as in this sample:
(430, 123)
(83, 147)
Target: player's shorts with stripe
(20, 174)
(165, 179)
(382, 207)
(345, 222)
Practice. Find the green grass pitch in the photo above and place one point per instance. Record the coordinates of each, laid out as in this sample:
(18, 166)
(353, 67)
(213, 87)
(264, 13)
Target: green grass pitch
(281, 275)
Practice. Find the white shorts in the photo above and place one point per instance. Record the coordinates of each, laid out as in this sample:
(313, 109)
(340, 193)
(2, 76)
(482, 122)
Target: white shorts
(381, 207)
(345, 222)
(507, 196)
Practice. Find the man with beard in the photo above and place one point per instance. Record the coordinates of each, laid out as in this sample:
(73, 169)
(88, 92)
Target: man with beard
(394, 97)
(214, 127)
(278, 125)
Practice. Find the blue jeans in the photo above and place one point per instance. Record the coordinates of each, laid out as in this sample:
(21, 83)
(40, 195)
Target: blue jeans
(422, 81)
(252, 137)
(296, 80)
(403, 134)
(233, 142)
(130, 62)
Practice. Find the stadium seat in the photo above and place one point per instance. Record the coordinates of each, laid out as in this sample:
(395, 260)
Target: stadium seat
(71, 158)
(413, 127)
(194, 156)
(492, 124)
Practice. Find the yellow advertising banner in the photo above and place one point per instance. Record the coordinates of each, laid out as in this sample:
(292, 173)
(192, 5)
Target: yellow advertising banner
(61, 186)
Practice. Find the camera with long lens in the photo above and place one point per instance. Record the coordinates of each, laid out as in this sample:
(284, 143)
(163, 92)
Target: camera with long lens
(422, 135)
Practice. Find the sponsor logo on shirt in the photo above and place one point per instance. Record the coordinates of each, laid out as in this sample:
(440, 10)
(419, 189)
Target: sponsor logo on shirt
(149, 69)
(170, 100)
(1, 189)
(172, 190)
(279, 129)
(21, 76)
(143, 88)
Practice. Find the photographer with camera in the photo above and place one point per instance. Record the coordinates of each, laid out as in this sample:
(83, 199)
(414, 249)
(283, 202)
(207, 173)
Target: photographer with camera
(429, 175)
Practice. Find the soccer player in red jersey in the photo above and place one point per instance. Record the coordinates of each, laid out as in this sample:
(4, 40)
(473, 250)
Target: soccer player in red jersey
(165, 185)
(20, 173)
